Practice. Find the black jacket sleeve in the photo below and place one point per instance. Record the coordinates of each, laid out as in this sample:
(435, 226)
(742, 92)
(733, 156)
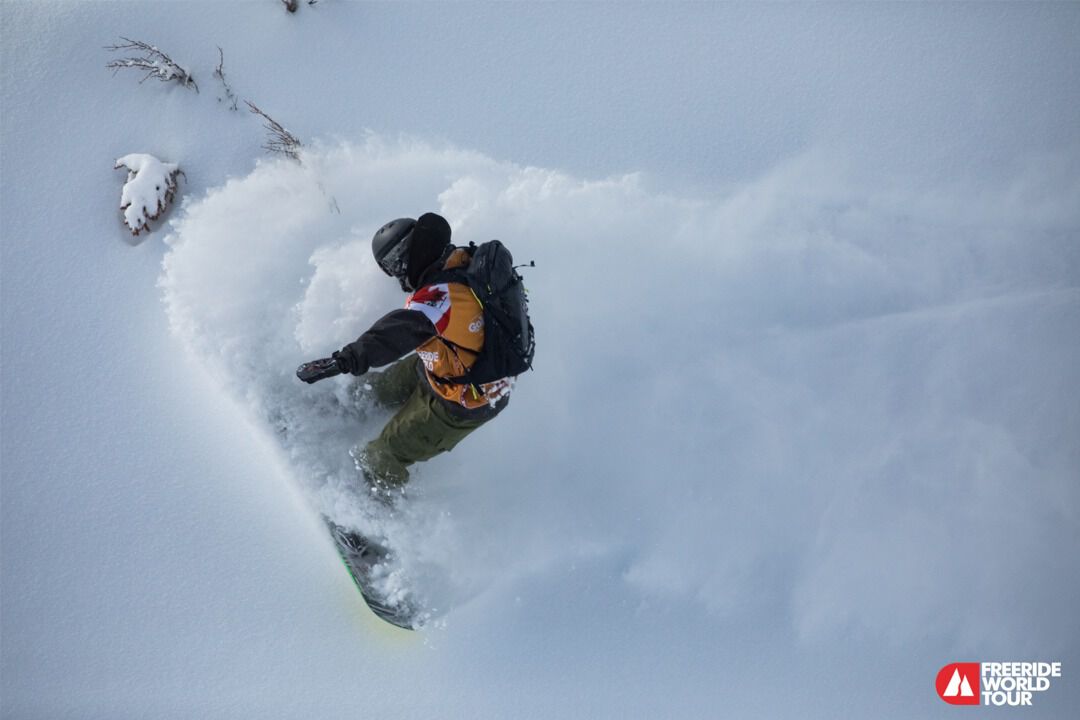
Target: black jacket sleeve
(393, 336)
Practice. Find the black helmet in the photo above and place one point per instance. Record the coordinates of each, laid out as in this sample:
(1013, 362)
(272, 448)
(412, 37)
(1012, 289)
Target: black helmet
(391, 246)
(406, 248)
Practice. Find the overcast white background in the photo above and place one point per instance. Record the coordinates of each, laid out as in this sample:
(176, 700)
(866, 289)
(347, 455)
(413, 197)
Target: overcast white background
(803, 426)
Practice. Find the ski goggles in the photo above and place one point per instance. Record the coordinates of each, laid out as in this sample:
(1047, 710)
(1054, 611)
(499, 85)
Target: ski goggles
(396, 260)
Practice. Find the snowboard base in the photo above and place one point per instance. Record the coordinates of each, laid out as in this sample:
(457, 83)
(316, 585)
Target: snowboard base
(361, 556)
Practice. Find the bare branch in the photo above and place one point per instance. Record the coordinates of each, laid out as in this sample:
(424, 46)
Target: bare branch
(281, 141)
(290, 5)
(153, 61)
(219, 73)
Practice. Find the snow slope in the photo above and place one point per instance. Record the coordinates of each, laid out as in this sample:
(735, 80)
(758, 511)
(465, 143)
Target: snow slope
(806, 298)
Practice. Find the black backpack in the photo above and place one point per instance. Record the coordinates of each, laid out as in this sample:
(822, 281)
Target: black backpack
(509, 341)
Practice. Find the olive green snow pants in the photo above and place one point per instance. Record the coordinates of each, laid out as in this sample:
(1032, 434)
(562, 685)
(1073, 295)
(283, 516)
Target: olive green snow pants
(421, 429)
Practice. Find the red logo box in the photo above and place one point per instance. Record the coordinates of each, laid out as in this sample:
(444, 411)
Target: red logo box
(958, 683)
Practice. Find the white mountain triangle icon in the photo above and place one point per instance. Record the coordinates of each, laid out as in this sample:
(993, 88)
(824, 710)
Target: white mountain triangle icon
(958, 685)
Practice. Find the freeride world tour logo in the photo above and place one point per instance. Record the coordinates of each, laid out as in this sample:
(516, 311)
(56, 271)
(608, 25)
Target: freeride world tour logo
(995, 683)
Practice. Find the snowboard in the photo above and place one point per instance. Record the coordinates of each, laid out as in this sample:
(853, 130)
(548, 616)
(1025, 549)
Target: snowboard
(361, 557)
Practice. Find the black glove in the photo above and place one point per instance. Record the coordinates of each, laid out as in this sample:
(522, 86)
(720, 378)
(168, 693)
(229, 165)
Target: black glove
(347, 362)
(316, 370)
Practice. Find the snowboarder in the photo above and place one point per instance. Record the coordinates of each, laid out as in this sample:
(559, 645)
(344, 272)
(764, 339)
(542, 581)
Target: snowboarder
(441, 394)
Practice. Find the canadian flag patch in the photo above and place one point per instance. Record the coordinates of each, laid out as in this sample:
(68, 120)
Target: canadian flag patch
(434, 302)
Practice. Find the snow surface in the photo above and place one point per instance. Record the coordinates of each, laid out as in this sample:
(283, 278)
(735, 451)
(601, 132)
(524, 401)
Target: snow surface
(803, 426)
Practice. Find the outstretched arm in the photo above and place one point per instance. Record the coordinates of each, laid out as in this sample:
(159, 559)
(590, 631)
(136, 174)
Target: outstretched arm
(393, 336)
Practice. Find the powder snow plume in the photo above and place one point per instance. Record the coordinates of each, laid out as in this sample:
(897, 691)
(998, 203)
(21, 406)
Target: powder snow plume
(730, 393)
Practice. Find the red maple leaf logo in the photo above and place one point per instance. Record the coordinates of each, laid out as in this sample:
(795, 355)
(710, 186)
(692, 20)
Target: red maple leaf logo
(431, 295)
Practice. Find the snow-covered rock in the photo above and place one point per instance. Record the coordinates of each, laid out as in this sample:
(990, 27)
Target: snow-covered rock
(150, 187)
